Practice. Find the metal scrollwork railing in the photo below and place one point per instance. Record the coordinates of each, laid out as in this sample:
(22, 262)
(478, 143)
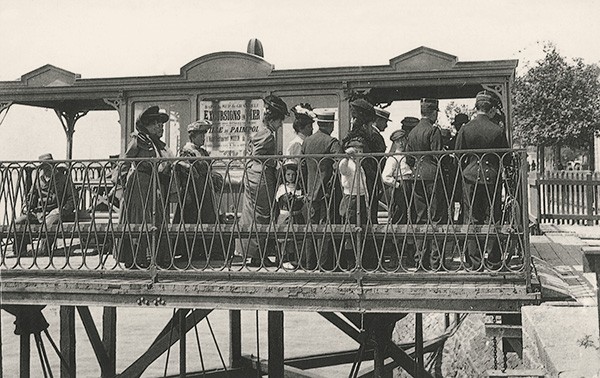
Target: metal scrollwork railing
(330, 213)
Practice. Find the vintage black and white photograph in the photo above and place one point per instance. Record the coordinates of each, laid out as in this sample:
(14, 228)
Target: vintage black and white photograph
(299, 189)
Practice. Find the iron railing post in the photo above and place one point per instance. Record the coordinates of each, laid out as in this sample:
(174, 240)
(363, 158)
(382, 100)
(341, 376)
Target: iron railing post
(525, 218)
(153, 250)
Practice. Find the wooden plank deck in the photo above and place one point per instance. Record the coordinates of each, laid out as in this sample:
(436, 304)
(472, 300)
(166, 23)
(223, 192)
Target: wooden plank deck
(559, 265)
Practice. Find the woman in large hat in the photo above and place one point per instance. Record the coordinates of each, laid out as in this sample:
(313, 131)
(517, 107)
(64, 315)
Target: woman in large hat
(304, 117)
(363, 115)
(140, 199)
(260, 180)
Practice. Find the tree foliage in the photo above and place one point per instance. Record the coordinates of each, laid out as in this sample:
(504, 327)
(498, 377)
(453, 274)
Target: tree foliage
(453, 108)
(557, 103)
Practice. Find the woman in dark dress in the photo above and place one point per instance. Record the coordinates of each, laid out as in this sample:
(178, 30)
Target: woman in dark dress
(145, 199)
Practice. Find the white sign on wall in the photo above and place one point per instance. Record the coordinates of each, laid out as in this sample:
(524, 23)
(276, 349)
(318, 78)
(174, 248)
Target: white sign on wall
(234, 123)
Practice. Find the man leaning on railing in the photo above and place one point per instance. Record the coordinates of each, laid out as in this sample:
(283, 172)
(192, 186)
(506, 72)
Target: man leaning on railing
(50, 201)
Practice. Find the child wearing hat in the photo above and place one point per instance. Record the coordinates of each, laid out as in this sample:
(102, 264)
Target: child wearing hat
(290, 201)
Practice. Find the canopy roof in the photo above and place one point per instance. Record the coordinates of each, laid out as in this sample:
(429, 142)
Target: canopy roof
(418, 73)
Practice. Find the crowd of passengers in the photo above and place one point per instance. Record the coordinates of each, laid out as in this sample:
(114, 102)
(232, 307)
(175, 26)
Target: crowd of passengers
(417, 189)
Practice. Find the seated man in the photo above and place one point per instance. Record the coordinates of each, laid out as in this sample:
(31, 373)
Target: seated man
(50, 201)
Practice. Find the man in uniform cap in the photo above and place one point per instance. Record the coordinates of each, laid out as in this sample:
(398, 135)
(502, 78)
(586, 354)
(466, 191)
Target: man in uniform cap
(51, 200)
(482, 178)
(323, 188)
(428, 193)
(409, 123)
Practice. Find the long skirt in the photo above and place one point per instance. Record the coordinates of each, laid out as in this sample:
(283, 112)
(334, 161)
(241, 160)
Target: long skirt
(142, 209)
(196, 206)
(258, 206)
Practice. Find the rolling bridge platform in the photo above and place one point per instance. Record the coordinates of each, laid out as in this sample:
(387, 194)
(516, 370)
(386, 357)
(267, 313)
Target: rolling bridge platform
(84, 268)
(362, 300)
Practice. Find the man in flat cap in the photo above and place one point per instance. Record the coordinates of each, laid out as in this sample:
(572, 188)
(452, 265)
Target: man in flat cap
(51, 200)
(428, 194)
(482, 175)
(323, 188)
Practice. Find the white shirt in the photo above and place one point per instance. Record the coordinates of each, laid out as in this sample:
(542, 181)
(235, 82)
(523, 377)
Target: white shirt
(295, 145)
(396, 169)
(353, 181)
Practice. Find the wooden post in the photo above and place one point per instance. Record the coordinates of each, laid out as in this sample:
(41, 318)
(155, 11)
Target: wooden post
(591, 263)
(1, 364)
(275, 336)
(68, 118)
(109, 337)
(541, 160)
(420, 365)
(589, 199)
(382, 336)
(182, 341)
(24, 355)
(67, 340)
(235, 338)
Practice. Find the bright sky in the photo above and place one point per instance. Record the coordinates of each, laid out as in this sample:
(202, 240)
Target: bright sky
(113, 38)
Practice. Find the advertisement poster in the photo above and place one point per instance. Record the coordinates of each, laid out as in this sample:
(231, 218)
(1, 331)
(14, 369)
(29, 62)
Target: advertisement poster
(234, 122)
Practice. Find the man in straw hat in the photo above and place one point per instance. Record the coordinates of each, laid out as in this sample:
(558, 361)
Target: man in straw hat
(50, 201)
(376, 145)
(323, 188)
(482, 178)
(428, 194)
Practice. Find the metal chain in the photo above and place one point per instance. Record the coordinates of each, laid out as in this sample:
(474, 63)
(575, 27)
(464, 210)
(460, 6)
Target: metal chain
(495, 351)
(495, 344)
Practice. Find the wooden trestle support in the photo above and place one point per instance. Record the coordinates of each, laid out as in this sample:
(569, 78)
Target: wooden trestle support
(371, 331)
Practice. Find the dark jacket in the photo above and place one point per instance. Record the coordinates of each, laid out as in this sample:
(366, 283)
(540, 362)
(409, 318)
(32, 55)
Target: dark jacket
(480, 134)
(54, 192)
(424, 137)
(198, 188)
(377, 144)
(320, 170)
